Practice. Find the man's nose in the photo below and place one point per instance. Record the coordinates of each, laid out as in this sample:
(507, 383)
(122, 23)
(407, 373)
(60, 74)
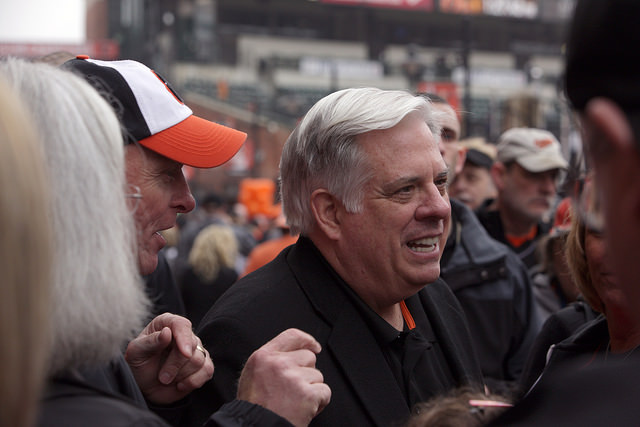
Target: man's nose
(183, 200)
(434, 205)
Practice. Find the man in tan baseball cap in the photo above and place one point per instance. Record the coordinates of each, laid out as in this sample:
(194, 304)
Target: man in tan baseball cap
(536, 150)
(526, 171)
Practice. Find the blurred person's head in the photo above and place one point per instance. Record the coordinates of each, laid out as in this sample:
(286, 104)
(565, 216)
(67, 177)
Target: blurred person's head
(460, 408)
(214, 247)
(363, 177)
(474, 185)
(98, 299)
(603, 86)
(162, 135)
(26, 253)
(450, 148)
(528, 166)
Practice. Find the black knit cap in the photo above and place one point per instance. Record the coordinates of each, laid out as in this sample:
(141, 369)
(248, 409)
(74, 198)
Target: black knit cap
(603, 54)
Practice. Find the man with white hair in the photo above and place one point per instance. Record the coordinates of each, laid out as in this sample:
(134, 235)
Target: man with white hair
(363, 182)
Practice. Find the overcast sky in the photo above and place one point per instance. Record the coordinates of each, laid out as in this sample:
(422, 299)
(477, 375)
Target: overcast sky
(42, 21)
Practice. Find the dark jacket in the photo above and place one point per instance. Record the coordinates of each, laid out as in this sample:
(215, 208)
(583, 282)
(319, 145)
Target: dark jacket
(493, 288)
(163, 290)
(299, 289)
(580, 387)
(593, 396)
(490, 220)
(199, 295)
(590, 341)
(109, 397)
(558, 327)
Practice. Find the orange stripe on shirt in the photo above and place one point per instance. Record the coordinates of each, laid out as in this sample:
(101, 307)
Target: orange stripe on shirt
(408, 318)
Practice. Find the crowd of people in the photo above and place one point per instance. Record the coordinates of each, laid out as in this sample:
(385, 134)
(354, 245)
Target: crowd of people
(407, 278)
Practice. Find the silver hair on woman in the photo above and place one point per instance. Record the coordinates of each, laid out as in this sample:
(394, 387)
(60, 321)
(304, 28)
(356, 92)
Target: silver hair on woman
(322, 151)
(98, 300)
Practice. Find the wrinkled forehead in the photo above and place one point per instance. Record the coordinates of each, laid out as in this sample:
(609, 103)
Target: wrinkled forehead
(141, 157)
(410, 140)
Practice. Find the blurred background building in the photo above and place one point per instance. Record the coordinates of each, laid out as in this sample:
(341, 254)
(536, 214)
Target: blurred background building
(258, 65)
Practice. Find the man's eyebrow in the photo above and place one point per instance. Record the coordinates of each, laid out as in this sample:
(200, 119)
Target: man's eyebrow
(444, 174)
(404, 180)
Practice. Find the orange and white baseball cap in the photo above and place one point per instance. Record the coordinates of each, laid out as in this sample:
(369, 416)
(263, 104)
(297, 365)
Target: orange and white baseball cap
(153, 114)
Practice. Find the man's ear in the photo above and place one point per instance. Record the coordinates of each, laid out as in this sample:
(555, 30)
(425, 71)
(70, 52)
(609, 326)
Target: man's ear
(611, 122)
(498, 169)
(325, 208)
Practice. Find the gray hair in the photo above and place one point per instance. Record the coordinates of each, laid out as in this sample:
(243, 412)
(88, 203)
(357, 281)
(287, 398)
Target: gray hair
(98, 300)
(322, 151)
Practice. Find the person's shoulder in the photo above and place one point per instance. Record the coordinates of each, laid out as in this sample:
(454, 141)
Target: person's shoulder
(576, 396)
(439, 294)
(476, 237)
(260, 294)
(71, 403)
(487, 208)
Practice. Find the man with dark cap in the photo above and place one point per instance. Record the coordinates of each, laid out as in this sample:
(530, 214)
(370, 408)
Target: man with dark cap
(602, 80)
(474, 185)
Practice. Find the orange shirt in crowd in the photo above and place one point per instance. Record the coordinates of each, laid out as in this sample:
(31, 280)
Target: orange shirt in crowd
(267, 251)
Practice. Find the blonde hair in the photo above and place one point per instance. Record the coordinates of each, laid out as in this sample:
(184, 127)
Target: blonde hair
(26, 260)
(215, 247)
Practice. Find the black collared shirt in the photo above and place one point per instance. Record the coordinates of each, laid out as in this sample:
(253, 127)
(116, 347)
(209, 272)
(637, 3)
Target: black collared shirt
(414, 356)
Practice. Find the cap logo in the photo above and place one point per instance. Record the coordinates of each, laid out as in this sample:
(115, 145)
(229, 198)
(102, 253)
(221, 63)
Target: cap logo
(541, 143)
(168, 86)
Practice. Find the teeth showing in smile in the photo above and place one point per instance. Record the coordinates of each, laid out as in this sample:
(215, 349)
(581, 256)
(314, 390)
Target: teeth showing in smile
(424, 245)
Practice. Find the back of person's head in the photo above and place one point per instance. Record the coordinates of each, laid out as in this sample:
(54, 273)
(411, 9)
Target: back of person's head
(98, 299)
(480, 153)
(460, 408)
(214, 247)
(26, 251)
(602, 59)
(322, 151)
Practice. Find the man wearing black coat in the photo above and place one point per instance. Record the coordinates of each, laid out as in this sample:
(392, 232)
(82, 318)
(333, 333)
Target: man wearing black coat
(362, 180)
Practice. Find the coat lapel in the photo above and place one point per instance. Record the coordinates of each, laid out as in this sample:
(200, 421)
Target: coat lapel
(350, 340)
(365, 368)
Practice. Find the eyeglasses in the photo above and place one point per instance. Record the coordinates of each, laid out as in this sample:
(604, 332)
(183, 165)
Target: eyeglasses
(134, 195)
